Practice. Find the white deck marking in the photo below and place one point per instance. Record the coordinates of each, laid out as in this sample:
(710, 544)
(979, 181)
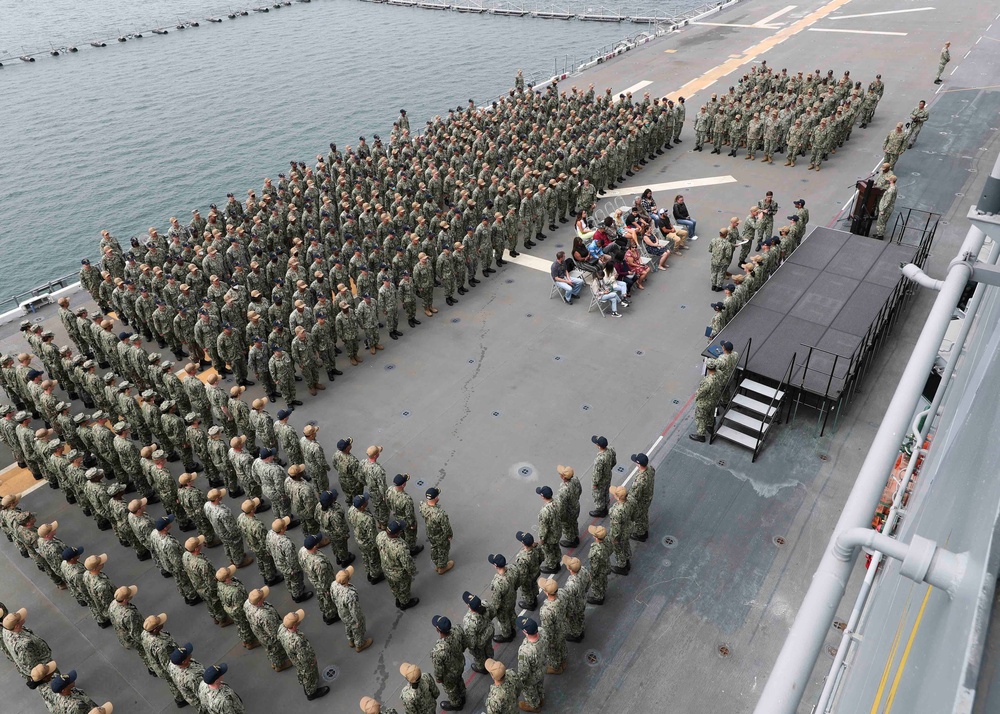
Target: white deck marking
(775, 15)
(885, 12)
(689, 183)
(530, 261)
(856, 32)
(635, 87)
(733, 24)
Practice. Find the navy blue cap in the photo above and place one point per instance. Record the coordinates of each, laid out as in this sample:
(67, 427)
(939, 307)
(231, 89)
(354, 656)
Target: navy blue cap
(360, 500)
(312, 540)
(793, 218)
(527, 625)
(164, 521)
(600, 441)
(472, 601)
(730, 286)
(69, 552)
(544, 492)
(34, 373)
(344, 443)
(525, 538)
(62, 680)
(266, 452)
(799, 201)
(727, 345)
(395, 526)
(400, 479)
(326, 498)
(498, 560)
(181, 653)
(213, 673)
(285, 413)
(441, 623)
(432, 493)
(640, 459)
(716, 305)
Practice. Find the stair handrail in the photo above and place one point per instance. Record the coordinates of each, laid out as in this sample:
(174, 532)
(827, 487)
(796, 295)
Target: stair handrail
(725, 395)
(782, 387)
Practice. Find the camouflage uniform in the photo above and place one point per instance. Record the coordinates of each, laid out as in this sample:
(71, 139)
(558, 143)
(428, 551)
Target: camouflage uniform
(621, 526)
(553, 622)
(26, 650)
(439, 533)
(202, 575)
(549, 529)
(192, 500)
(187, 679)
(448, 656)
(102, 594)
(158, 648)
(169, 555)
(272, 482)
(349, 608)
(365, 529)
(347, 330)
(320, 572)
(401, 506)
(232, 595)
(526, 566)
(222, 700)
(255, 534)
(314, 458)
(282, 371)
(568, 502)
(349, 473)
(531, 661)
(421, 697)
(303, 656)
(574, 596)
(641, 498)
(478, 629)
(283, 551)
(265, 623)
(303, 498)
(599, 559)
(375, 481)
(397, 564)
(127, 621)
(503, 590)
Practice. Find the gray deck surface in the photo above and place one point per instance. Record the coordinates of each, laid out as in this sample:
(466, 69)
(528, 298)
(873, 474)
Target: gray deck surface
(519, 383)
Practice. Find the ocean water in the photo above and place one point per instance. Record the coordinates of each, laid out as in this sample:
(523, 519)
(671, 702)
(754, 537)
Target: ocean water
(125, 136)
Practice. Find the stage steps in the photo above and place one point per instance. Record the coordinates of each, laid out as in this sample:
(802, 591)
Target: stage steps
(750, 414)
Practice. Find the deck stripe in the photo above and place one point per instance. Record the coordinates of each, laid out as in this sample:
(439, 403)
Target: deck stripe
(767, 20)
(876, 704)
(884, 12)
(857, 32)
(670, 185)
(906, 652)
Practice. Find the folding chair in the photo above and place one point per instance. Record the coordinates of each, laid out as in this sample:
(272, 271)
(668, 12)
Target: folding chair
(555, 291)
(595, 298)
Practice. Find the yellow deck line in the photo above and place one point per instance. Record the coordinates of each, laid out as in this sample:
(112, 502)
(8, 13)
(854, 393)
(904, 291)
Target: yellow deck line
(906, 652)
(888, 663)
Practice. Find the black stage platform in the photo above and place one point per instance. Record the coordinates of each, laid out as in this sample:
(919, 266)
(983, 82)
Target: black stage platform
(828, 295)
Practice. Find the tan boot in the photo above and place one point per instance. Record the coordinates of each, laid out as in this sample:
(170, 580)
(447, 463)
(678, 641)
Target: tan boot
(446, 568)
(323, 543)
(748, 157)
(247, 560)
(428, 313)
(312, 391)
(359, 360)
(372, 350)
(320, 387)
(525, 707)
(434, 309)
(817, 168)
(225, 623)
(251, 645)
(379, 347)
(788, 162)
(354, 361)
(812, 166)
(285, 665)
(364, 645)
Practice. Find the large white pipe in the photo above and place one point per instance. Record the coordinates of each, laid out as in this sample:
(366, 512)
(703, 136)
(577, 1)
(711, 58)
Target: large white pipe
(787, 682)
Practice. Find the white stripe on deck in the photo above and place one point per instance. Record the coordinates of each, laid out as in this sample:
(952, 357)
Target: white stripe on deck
(857, 32)
(775, 16)
(533, 262)
(635, 87)
(733, 24)
(670, 185)
(885, 12)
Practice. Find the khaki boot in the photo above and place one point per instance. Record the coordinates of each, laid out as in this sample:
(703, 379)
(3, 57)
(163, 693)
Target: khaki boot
(446, 568)
(434, 309)
(354, 361)
(286, 664)
(379, 347)
(428, 313)
(312, 391)
(788, 162)
(372, 350)
(364, 645)
(320, 387)
(525, 707)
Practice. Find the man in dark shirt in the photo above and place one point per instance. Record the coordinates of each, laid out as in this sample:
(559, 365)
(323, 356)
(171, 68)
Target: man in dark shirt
(570, 286)
(682, 216)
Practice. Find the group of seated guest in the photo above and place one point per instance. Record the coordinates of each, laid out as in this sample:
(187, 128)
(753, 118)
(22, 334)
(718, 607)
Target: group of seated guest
(612, 252)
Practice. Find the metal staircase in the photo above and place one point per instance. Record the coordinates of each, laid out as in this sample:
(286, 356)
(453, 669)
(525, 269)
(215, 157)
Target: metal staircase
(751, 410)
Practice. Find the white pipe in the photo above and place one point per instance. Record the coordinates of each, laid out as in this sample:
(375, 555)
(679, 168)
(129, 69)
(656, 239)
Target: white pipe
(920, 434)
(793, 667)
(923, 561)
(921, 278)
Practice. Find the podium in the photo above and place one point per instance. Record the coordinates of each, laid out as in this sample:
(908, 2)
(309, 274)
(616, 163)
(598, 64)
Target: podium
(865, 206)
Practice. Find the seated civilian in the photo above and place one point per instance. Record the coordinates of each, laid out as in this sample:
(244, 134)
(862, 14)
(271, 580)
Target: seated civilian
(658, 253)
(634, 262)
(582, 257)
(626, 276)
(608, 293)
(682, 217)
(611, 274)
(570, 287)
(583, 229)
(647, 204)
